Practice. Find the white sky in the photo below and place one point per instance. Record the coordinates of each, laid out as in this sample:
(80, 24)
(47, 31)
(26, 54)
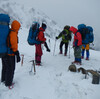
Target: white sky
(70, 12)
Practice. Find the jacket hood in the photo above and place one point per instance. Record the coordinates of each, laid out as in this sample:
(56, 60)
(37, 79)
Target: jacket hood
(15, 25)
(73, 29)
(41, 29)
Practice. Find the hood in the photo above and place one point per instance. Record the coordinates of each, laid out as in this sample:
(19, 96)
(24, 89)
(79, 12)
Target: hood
(15, 25)
(73, 29)
(41, 29)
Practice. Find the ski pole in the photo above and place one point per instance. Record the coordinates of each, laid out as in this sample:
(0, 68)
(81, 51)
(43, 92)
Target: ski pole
(22, 59)
(49, 43)
(69, 51)
(54, 48)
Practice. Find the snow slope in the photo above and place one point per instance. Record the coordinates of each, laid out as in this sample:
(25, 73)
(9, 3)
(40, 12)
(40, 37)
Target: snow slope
(26, 15)
(52, 80)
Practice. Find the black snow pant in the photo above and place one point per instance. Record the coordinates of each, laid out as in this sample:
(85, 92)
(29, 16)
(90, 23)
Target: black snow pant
(8, 68)
(66, 47)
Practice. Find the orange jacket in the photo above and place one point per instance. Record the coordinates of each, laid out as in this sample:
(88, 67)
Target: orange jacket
(13, 39)
(41, 35)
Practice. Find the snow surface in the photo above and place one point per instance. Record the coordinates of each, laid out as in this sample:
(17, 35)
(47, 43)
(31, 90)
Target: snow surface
(52, 80)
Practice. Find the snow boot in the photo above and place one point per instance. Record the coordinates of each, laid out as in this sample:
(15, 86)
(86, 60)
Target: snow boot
(87, 58)
(60, 52)
(11, 86)
(38, 64)
(82, 57)
(65, 54)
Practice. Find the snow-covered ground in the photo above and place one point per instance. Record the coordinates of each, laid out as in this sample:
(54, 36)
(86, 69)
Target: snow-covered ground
(52, 80)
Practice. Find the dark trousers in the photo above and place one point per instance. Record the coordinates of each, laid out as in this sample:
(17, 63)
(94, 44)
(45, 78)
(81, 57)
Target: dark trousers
(66, 46)
(8, 67)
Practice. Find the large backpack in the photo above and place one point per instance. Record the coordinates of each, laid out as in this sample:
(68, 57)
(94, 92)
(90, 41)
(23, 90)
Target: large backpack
(33, 33)
(4, 31)
(83, 30)
(91, 35)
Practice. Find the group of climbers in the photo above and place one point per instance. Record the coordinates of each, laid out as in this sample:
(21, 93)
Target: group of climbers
(9, 53)
(83, 36)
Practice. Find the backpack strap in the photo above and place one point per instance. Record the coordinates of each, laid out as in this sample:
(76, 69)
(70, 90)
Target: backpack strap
(4, 23)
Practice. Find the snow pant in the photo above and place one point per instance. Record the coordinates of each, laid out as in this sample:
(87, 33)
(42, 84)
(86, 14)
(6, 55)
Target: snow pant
(61, 45)
(77, 53)
(8, 68)
(38, 53)
(85, 47)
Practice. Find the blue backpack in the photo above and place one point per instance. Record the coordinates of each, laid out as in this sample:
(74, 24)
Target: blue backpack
(83, 30)
(81, 26)
(91, 35)
(4, 31)
(33, 33)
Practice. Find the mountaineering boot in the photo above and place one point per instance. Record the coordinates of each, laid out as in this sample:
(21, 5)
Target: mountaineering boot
(83, 50)
(79, 63)
(38, 64)
(87, 58)
(87, 54)
(11, 86)
(82, 57)
(65, 54)
(74, 62)
(60, 52)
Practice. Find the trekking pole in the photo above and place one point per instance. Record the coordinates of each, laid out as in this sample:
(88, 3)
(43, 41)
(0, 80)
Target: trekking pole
(69, 50)
(22, 59)
(49, 44)
(54, 48)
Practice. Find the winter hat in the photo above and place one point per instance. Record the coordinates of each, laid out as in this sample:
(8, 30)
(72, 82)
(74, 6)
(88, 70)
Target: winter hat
(67, 27)
(44, 26)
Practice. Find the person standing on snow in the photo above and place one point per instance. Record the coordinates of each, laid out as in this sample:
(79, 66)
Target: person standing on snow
(88, 38)
(39, 53)
(77, 44)
(66, 37)
(8, 62)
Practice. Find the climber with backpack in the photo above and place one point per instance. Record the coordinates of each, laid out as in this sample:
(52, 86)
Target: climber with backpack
(66, 37)
(36, 37)
(9, 60)
(87, 38)
(77, 44)
(42, 39)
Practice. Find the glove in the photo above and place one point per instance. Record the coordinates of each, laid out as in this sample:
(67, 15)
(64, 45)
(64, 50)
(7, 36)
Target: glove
(56, 37)
(17, 56)
(48, 49)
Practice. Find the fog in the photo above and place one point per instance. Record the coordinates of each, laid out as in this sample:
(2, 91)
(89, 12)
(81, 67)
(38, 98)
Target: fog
(69, 12)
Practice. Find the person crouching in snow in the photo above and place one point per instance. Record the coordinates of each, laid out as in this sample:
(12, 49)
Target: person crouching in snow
(77, 44)
(41, 38)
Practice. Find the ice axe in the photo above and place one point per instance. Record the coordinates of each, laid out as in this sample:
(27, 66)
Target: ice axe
(33, 65)
(22, 59)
